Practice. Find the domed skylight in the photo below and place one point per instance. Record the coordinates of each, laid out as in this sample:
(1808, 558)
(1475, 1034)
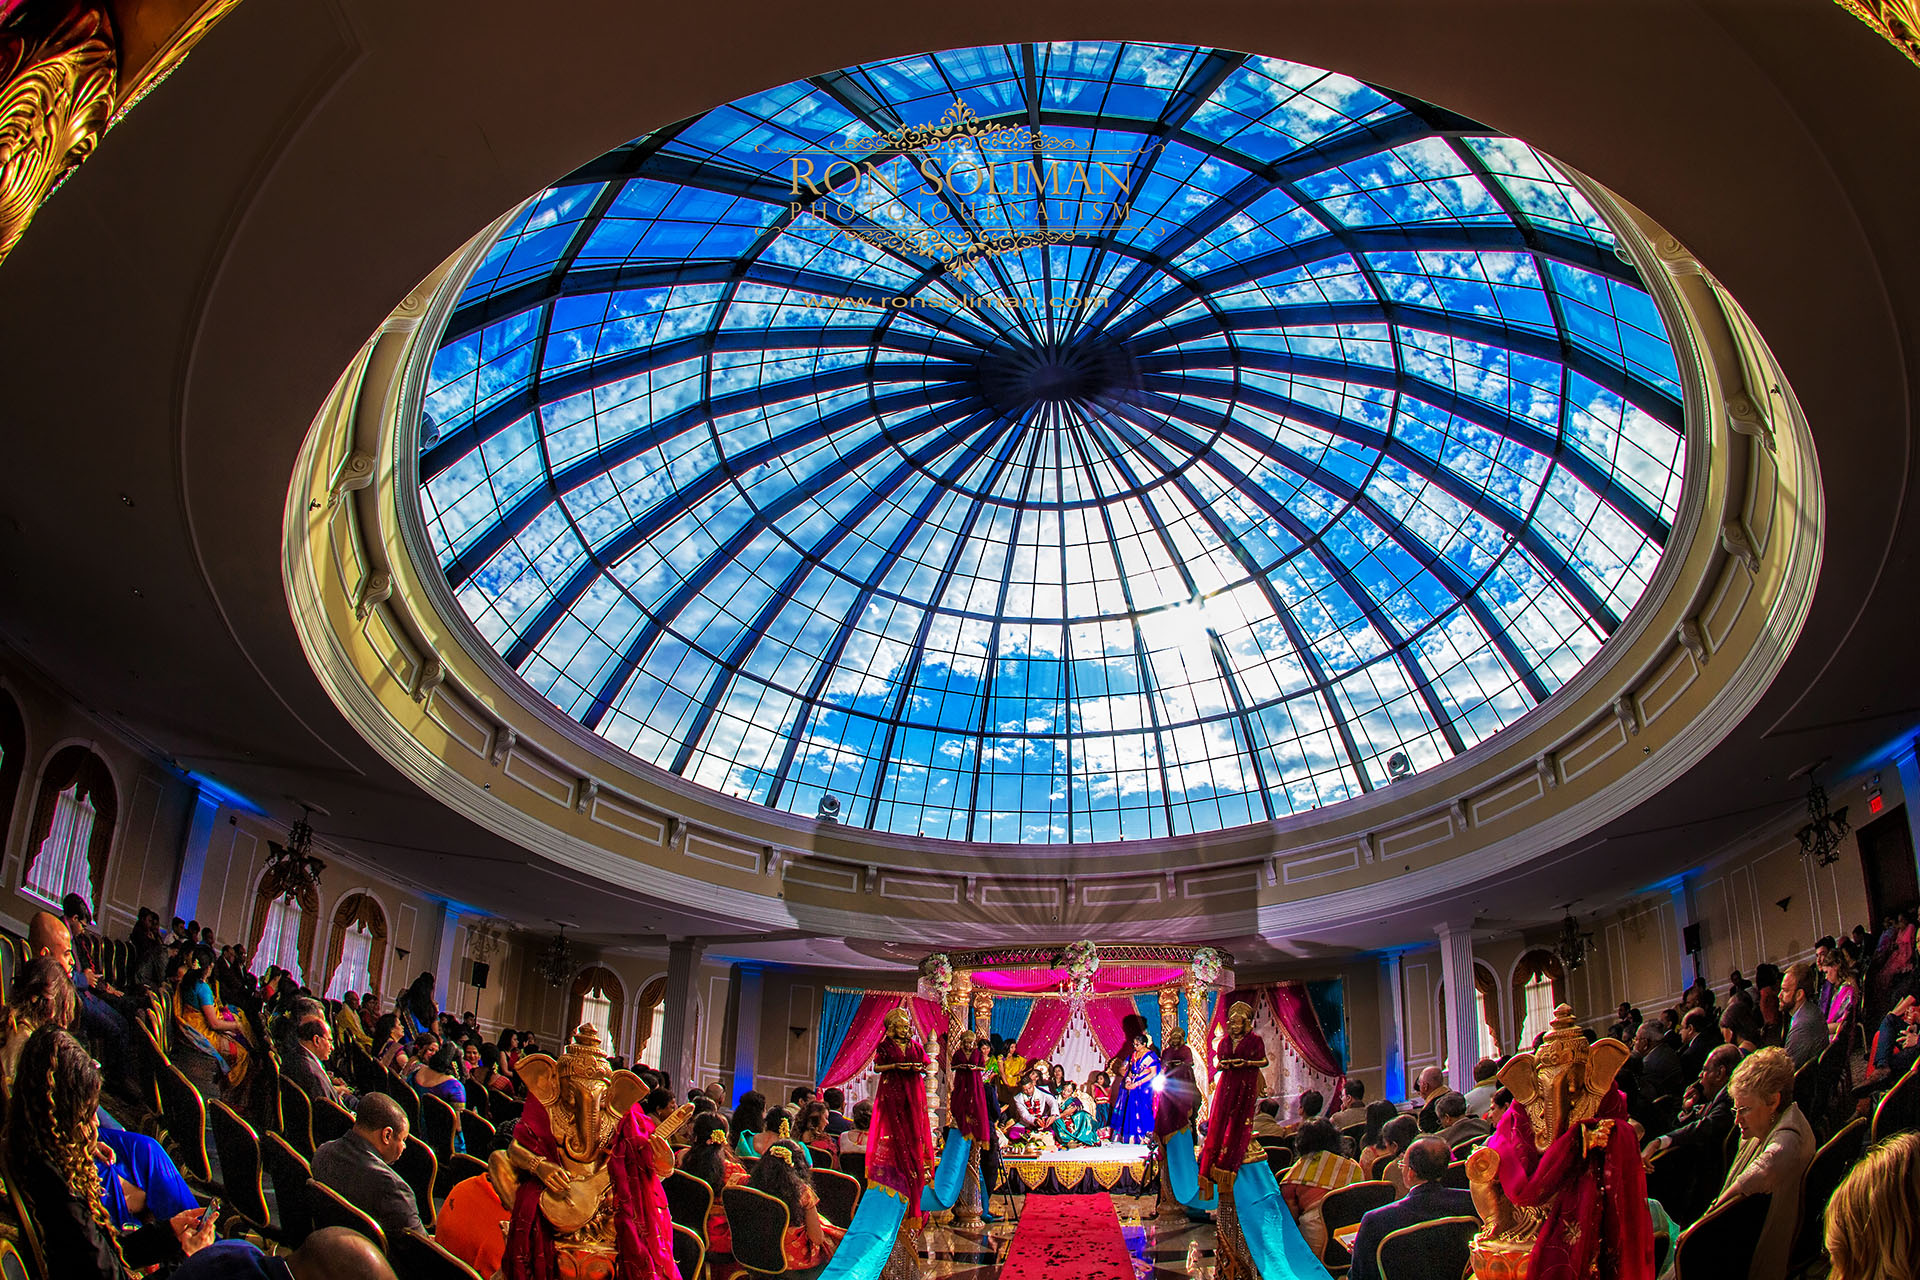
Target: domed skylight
(1152, 440)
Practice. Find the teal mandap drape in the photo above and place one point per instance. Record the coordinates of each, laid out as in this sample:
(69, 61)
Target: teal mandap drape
(1010, 1016)
(836, 1015)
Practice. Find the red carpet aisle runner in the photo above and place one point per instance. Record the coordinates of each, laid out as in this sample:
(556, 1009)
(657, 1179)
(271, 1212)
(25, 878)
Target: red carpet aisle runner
(1068, 1238)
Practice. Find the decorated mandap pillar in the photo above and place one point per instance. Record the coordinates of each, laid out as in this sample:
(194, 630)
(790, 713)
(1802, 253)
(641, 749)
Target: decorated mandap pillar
(1197, 1040)
(1169, 1013)
(983, 1013)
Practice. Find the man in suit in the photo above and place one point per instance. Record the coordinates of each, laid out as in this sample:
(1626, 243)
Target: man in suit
(1355, 1112)
(1426, 1163)
(1700, 1144)
(1699, 1036)
(1806, 1026)
(359, 1165)
(837, 1122)
(1456, 1126)
(1662, 1069)
(303, 1059)
(1430, 1084)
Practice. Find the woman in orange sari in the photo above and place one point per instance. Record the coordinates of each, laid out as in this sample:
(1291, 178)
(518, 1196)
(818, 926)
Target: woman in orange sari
(710, 1160)
(783, 1174)
(212, 1028)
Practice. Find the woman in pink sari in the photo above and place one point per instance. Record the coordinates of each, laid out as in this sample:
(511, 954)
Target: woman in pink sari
(900, 1152)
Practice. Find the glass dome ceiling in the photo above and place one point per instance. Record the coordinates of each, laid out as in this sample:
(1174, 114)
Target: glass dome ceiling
(1053, 443)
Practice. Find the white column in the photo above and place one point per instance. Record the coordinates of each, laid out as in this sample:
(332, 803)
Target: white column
(193, 856)
(1682, 892)
(1393, 1028)
(679, 1027)
(748, 980)
(1462, 1011)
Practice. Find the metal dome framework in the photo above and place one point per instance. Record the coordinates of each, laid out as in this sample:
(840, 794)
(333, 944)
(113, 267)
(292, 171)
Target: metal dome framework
(1347, 435)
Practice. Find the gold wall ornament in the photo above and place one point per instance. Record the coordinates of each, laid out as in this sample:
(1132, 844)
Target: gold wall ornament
(1896, 20)
(58, 77)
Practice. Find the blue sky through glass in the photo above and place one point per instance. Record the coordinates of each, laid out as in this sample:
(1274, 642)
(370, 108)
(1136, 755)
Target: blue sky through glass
(1170, 445)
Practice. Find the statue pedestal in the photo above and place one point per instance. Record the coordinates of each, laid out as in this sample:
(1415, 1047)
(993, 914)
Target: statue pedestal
(1499, 1259)
(968, 1204)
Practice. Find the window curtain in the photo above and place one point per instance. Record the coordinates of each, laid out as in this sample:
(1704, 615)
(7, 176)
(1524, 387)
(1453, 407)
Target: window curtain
(363, 911)
(1045, 1025)
(1010, 1017)
(863, 1034)
(1536, 964)
(607, 981)
(87, 773)
(836, 1018)
(263, 898)
(651, 996)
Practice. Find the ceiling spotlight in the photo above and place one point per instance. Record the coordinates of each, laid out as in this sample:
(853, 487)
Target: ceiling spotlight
(1398, 766)
(829, 809)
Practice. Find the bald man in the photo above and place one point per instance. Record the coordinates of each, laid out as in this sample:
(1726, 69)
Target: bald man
(331, 1253)
(96, 1021)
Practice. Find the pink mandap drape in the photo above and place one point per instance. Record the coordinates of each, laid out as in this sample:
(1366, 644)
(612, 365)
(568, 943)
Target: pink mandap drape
(870, 1023)
(1045, 1025)
(1110, 978)
(1106, 1016)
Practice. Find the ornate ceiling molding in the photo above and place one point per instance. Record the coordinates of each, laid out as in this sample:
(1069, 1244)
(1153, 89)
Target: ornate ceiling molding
(1898, 21)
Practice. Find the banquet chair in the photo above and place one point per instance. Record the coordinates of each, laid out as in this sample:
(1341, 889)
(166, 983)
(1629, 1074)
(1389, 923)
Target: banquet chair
(759, 1225)
(330, 1120)
(290, 1174)
(854, 1165)
(12, 1265)
(1457, 1176)
(823, 1157)
(32, 1245)
(438, 1123)
(331, 1209)
(1899, 1107)
(1721, 1245)
(689, 1201)
(1345, 1206)
(1278, 1158)
(464, 1165)
(1434, 1248)
(478, 1131)
(689, 1253)
(296, 1117)
(839, 1194)
(418, 1257)
(183, 1114)
(419, 1168)
(241, 1170)
(1824, 1174)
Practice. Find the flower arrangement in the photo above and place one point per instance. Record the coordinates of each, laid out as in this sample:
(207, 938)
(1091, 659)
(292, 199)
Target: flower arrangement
(1205, 966)
(1080, 959)
(936, 977)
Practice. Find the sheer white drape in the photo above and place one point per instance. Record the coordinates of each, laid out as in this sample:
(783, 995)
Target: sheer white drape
(353, 971)
(597, 1008)
(279, 941)
(61, 866)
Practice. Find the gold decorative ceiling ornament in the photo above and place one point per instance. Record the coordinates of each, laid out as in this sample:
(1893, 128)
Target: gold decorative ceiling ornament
(1897, 20)
(59, 74)
(62, 87)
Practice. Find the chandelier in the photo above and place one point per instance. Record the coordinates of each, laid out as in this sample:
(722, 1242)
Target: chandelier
(292, 865)
(1573, 945)
(1820, 838)
(556, 963)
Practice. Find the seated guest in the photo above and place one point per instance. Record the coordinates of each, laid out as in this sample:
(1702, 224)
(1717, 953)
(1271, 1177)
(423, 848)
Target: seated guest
(352, 1030)
(783, 1174)
(749, 1118)
(303, 1059)
(1075, 1128)
(711, 1160)
(779, 1129)
(1699, 1036)
(1873, 1218)
(1426, 1199)
(1699, 1142)
(1266, 1119)
(1662, 1070)
(855, 1139)
(211, 1027)
(1355, 1112)
(1428, 1086)
(332, 1253)
(439, 1075)
(1777, 1147)
(1626, 1023)
(52, 1126)
(1484, 1085)
(1897, 1046)
(1502, 1099)
(95, 1020)
(472, 1224)
(1318, 1168)
(1806, 1032)
(810, 1127)
(359, 1165)
(837, 1122)
(1034, 1109)
(1309, 1106)
(1456, 1125)
(1740, 1020)
(1843, 994)
(1372, 1144)
(1397, 1136)
(799, 1097)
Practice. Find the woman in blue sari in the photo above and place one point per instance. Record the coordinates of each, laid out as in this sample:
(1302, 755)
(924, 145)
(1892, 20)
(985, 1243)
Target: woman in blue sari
(1133, 1108)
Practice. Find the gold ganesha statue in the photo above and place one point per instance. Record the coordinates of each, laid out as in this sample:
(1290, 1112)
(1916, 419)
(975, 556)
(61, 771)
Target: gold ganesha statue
(1558, 1085)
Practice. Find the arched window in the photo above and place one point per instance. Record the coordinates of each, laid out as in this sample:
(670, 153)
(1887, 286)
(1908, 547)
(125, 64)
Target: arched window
(357, 947)
(650, 1017)
(1539, 984)
(73, 819)
(283, 928)
(1487, 996)
(598, 997)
